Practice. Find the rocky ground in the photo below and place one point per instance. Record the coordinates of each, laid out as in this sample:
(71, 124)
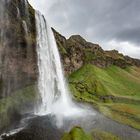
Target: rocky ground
(96, 126)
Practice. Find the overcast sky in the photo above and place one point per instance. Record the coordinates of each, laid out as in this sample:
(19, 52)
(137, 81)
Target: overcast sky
(114, 24)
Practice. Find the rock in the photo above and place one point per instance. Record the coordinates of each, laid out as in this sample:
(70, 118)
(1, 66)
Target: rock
(76, 52)
(39, 128)
(18, 58)
(18, 67)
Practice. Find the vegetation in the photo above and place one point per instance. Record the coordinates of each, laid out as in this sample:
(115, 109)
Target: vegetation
(102, 135)
(14, 104)
(114, 91)
(77, 133)
(19, 48)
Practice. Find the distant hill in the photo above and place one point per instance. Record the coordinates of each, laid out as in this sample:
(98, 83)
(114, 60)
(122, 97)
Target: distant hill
(76, 52)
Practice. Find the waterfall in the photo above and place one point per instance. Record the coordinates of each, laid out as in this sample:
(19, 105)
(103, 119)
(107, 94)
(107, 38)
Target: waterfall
(52, 84)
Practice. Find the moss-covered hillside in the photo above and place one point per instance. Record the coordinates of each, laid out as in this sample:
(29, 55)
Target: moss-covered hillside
(113, 91)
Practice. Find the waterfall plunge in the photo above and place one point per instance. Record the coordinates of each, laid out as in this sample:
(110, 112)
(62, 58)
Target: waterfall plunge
(52, 85)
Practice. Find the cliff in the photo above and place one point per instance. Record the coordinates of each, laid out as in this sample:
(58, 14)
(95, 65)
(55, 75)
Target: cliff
(18, 63)
(76, 52)
(18, 51)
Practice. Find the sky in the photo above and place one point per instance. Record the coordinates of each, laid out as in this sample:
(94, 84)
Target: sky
(114, 24)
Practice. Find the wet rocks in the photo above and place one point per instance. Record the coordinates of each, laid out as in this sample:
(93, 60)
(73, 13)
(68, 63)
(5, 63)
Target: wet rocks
(18, 63)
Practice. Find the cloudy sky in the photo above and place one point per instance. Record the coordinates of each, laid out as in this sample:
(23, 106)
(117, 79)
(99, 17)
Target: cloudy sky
(114, 24)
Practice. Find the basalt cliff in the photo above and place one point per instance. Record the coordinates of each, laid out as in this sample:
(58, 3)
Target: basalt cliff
(18, 63)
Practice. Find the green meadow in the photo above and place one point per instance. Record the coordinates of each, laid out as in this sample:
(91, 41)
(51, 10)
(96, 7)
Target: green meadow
(114, 91)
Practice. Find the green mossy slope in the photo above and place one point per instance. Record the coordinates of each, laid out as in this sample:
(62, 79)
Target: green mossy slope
(114, 91)
(103, 135)
(109, 81)
(77, 133)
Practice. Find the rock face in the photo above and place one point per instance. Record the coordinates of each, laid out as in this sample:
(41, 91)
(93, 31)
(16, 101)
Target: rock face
(17, 47)
(18, 64)
(76, 51)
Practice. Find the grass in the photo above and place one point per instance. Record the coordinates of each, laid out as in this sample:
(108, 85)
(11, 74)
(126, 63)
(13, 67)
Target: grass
(103, 135)
(124, 83)
(128, 114)
(114, 91)
(85, 83)
(121, 116)
(109, 81)
(135, 71)
(78, 133)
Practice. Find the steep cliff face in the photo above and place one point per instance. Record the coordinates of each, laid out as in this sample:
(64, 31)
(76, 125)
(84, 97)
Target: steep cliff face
(18, 64)
(76, 51)
(17, 47)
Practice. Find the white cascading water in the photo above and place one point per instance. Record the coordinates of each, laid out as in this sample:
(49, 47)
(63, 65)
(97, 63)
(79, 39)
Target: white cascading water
(52, 85)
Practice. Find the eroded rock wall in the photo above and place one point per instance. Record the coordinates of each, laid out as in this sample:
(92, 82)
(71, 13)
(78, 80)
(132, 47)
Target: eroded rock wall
(18, 66)
(18, 59)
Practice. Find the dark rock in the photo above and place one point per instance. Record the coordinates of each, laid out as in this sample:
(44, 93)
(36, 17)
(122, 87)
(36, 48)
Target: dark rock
(18, 67)
(40, 128)
(18, 57)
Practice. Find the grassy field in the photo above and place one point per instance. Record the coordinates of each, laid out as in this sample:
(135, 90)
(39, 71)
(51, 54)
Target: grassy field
(114, 91)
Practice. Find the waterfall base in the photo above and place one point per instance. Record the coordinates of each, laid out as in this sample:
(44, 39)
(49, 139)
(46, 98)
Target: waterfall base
(45, 128)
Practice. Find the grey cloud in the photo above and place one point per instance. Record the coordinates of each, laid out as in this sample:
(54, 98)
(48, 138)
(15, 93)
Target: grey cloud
(133, 35)
(97, 20)
(106, 19)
